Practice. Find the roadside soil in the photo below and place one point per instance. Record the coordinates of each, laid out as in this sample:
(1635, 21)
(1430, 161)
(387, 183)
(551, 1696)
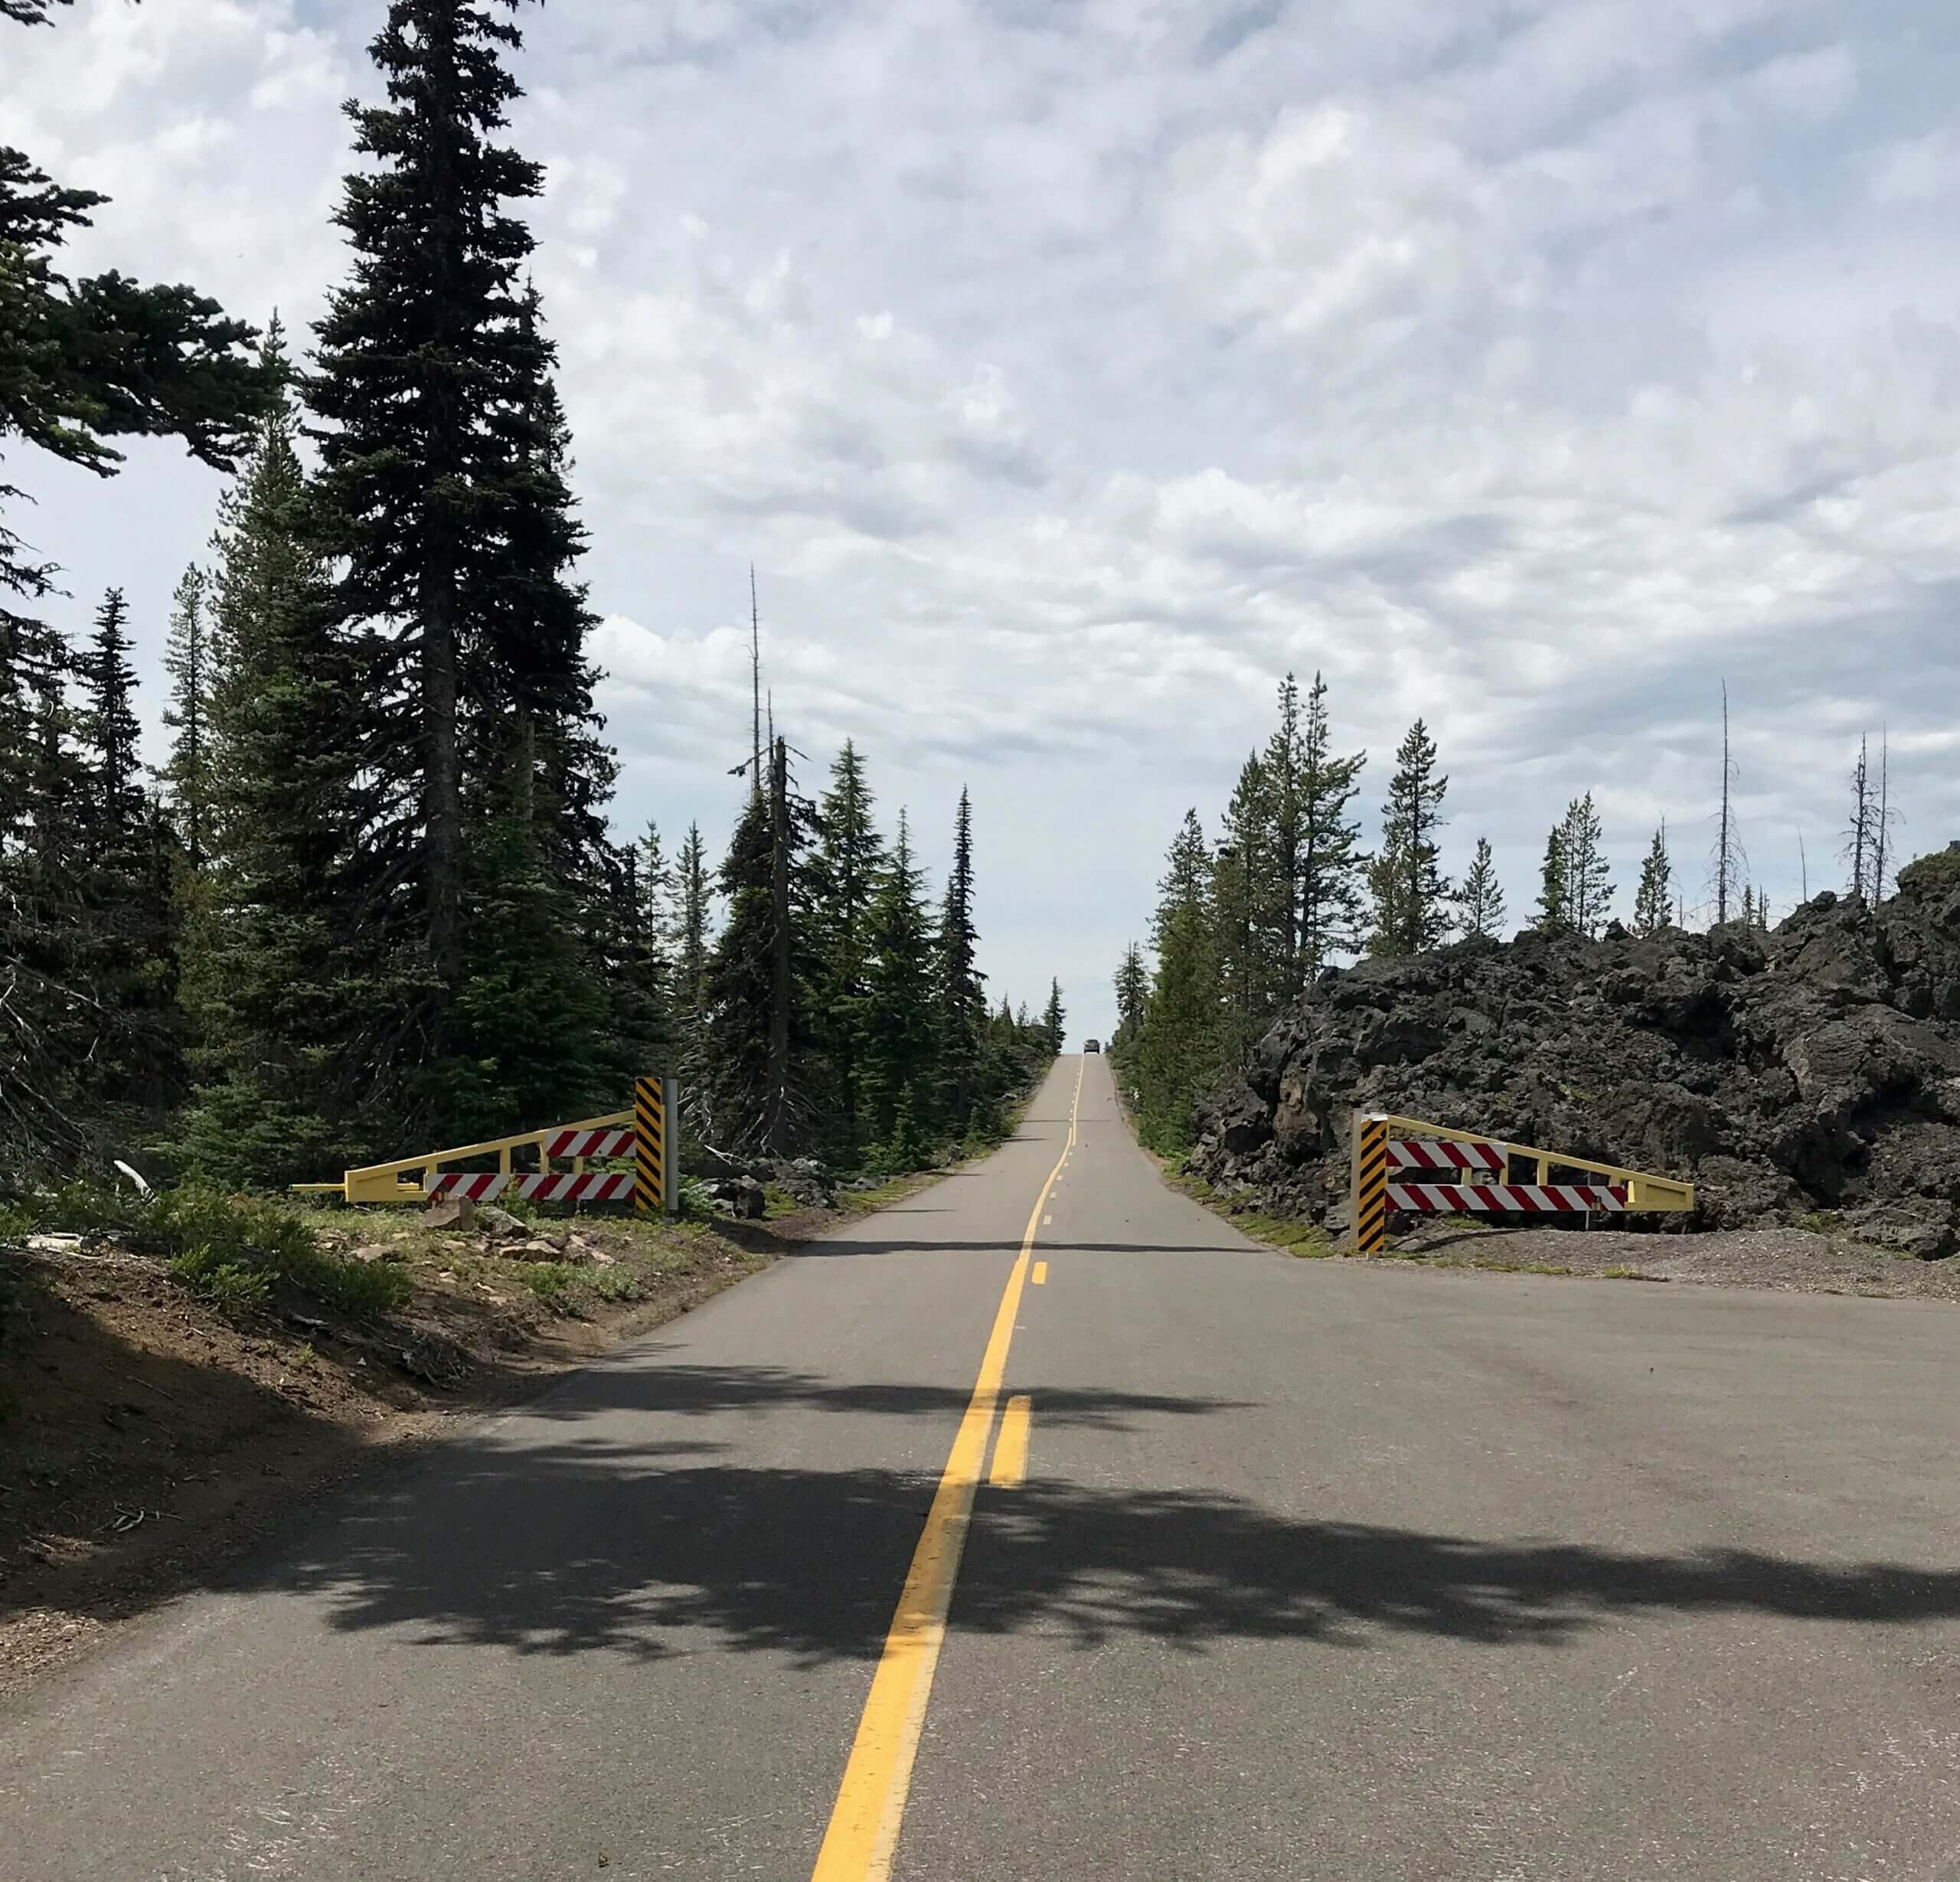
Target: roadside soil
(144, 1438)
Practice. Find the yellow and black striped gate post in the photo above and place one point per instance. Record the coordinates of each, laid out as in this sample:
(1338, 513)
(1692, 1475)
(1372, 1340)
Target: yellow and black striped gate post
(656, 1123)
(1370, 1185)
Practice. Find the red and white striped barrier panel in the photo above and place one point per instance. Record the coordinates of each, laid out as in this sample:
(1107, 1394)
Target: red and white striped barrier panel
(567, 1188)
(598, 1143)
(1502, 1198)
(1413, 1153)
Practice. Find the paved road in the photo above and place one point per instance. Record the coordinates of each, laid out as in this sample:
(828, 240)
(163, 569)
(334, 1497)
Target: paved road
(1313, 1571)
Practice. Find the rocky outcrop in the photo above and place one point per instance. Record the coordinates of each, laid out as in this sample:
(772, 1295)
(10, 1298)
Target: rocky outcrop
(1815, 1066)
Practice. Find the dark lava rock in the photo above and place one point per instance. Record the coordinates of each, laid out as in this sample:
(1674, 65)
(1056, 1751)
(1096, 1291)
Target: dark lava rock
(1815, 1066)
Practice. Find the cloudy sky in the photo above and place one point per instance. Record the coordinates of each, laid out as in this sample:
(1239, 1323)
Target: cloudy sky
(1070, 371)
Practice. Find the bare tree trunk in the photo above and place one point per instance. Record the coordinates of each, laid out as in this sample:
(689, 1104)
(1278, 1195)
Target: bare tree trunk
(1879, 835)
(1722, 861)
(779, 1010)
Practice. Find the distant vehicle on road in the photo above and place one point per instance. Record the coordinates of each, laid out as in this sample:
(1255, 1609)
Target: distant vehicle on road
(1090, 1045)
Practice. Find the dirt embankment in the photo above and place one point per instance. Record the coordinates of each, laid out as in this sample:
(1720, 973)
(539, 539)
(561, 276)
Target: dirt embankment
(1808, 1077)
(145, 1436)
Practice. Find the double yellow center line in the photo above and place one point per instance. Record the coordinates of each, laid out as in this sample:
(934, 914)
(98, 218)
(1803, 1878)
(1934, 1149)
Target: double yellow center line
(870, 1801)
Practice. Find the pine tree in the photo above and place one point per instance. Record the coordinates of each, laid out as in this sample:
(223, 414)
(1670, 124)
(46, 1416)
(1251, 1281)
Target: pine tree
(1652, 898)
(190, 658)
(847, 875)
(1054, 1019)
(961, 991)
(900, 1034)
(1589, 875)
(1749, 906)
(1554, 914)
(1412, 895)
(652, 889)
(1480, 901)
(1330, 866)
(279, 980)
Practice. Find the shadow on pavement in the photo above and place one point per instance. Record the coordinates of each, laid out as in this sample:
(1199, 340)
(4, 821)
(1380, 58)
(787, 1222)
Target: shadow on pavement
(593, 1547)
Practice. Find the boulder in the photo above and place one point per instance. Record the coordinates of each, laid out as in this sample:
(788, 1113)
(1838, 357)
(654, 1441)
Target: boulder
(500, 1225)
(450, 1212)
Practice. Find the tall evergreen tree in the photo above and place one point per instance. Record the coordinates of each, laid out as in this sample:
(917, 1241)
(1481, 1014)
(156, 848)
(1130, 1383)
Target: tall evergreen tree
(1331, 865)
(1177, 1050)
(1283, 774)
(689, 948)
(1132, 989)
(900, 1034)
(1246, 982)
(116, 806)
(443, 500)
(1054, 1019)
(1554, 914)
(1653, 900)
(847, 873)
(1479, 900)
(279, 981)
(190, 659)
(1412, 895)
(961, 987)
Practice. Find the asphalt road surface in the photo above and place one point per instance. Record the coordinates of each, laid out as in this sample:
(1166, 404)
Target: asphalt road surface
(1293, 1568)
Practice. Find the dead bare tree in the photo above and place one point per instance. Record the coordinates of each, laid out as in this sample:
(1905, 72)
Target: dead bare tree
(1857, 850)
(1728, 866)
(1883, 818)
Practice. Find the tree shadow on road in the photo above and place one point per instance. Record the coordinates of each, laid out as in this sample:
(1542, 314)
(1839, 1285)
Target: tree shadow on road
(590, 1546)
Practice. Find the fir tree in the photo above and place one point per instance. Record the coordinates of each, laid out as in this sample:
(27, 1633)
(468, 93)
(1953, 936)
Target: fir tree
(1554, 914)
(116, 812)
(1749, 906)
(1245, 989)
(1479, 900)
(190, 659)
(1412, 895)
(279, 979)
(900, 1033)
(1654, 897)
(960, 986)
(1330, 888)
(125, 941)
(753, 1074)
(1054, 1019)
(847, 875)
(442, 498)
(689, 949)
(1132, 988)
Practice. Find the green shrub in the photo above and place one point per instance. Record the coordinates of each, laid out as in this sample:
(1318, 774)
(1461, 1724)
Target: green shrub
(1931, 875)
(617, 1284)
(235, 1250)
(556, 1283)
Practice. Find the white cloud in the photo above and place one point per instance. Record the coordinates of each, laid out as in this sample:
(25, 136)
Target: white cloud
(1068, 373)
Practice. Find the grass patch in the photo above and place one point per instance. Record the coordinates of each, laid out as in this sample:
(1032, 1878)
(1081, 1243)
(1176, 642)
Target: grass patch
(777, 1203)
(236, 1251)
(1818, 1222)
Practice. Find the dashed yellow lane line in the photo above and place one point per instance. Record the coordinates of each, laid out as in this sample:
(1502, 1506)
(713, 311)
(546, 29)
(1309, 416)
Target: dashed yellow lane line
(1040, 1276)
(1011, 1447)
(857, 1846)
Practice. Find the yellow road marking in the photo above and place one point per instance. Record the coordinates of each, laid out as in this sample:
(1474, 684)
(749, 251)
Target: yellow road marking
(1011, 1447)
(864, 1827)
(1040, 1276)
